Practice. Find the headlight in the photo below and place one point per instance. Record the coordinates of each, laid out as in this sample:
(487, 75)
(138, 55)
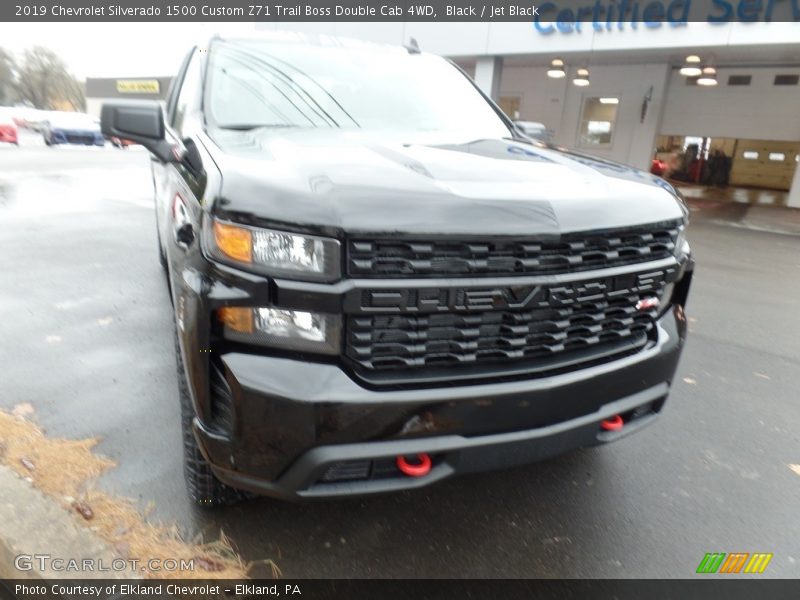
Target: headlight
(681, 249)
(681, 244)
(279, 328)
(665, 299)
(274, 252)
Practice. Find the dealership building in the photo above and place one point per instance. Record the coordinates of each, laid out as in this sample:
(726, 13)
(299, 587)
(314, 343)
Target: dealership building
(687, 84)
(625, 90)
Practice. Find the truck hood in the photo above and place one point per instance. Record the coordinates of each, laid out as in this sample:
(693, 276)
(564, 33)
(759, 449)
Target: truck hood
(335, 181)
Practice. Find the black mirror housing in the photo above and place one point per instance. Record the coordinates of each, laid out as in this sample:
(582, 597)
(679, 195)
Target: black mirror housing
(141, 122)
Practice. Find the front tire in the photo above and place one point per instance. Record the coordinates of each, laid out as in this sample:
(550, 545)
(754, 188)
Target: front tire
(204, 488)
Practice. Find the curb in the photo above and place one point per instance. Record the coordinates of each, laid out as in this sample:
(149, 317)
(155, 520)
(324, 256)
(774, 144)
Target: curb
(33, 524)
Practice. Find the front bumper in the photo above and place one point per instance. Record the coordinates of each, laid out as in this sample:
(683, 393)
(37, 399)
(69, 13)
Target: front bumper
(294, 422)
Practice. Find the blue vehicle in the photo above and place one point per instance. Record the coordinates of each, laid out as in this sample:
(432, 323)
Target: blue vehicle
(72, 128)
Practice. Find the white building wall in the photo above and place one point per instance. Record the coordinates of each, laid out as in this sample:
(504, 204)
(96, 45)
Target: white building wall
(488, 70)
(558, 104)
(94, 106)
(634, 137)
(761, 111)
(542, 98)
(794, 193)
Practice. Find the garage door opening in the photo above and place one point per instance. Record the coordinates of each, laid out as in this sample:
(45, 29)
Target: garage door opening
(762, 164)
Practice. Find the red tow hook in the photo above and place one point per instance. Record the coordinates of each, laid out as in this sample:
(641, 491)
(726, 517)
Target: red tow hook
(615, 423)
(418, 469)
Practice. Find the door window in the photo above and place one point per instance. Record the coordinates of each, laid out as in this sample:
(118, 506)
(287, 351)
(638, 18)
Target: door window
(597, 121)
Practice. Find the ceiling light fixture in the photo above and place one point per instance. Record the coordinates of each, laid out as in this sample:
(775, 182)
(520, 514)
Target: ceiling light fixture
(556, 70)
(609, 100)
(581, 77)
(691, 67)
(708, 78)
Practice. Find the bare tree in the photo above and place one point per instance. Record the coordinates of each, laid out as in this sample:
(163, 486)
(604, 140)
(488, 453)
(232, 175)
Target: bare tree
(72, 92)
(7, 82)
(43, 81)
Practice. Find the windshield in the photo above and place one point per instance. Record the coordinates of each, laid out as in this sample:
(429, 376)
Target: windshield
(288, 85)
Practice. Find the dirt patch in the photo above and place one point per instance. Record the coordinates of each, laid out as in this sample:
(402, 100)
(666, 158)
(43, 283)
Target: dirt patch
(66, 470)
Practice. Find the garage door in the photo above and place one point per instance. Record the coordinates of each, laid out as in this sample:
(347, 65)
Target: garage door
(765, 164)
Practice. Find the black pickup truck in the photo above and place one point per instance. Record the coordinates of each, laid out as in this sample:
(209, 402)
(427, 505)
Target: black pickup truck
(379, 282)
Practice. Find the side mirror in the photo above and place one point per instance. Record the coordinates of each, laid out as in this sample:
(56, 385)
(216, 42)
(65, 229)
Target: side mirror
(141, 122)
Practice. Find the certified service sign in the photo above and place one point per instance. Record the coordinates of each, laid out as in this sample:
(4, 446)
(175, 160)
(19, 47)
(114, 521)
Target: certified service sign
(137, 86)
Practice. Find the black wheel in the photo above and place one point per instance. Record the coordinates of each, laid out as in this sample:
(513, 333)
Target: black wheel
(203, 487)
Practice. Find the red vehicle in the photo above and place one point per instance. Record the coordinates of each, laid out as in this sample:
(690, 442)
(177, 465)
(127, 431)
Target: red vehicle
(121, 143)
(8, 130)
(658, 167)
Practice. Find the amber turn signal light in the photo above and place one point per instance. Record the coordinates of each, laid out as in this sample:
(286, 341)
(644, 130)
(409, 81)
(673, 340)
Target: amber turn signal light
(234, 242)
(237, 318)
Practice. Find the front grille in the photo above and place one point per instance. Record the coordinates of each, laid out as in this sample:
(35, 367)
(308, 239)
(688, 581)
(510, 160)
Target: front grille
(557, 254)
(77, 138)
(401, 342)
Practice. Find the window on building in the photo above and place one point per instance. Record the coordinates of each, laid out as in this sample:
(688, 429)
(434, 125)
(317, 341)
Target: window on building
(786, 79)
(740, 79)
(510, 106)
(597, 121)
(777, 156)
(750, 155)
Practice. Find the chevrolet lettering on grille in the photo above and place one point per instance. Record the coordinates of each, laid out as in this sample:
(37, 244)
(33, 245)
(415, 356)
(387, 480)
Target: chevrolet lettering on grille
(431, 300)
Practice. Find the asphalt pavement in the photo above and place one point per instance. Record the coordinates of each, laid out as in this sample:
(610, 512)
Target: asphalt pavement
(87, 339)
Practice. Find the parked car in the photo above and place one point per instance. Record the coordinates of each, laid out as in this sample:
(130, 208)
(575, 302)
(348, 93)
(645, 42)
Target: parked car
(534, 130)
(72, 128)
(377, 283)
(121, 143)
(17, 117)
(8, 129)
(28, 117)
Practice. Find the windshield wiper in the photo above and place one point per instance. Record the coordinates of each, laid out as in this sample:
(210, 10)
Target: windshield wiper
(249, 127)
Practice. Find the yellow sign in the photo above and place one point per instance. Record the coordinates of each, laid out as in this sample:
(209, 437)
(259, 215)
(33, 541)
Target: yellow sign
(137, 86)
